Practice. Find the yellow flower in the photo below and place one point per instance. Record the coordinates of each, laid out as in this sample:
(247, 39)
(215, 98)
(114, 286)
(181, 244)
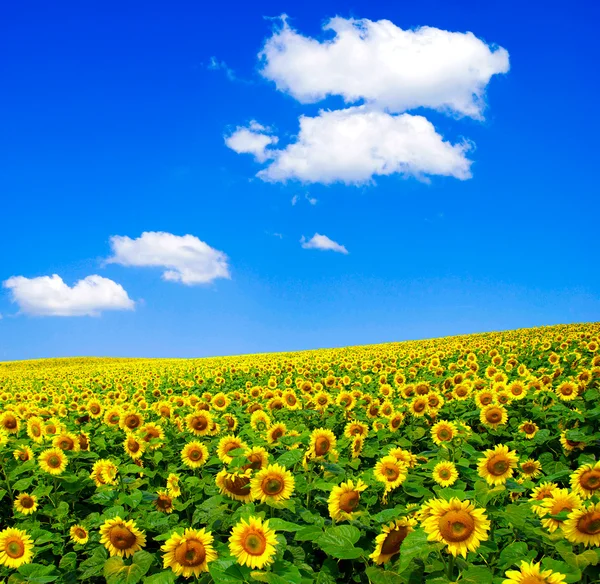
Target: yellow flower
(104, 472)
(354, 429)
(344, 499)
(66, 441)
(460, 525)
(199, 423)
(194, 454)
(405, 456)
(493, 416)
(235, 485)
(10, 423)
(257, 457)
(583, 525)
(391, 472)
(531, 573)
(121, 538)
(173, 487)
(188, 554)
(220, 402)
(570, 445)
(253, 543)
(445, 473)
(497, 464)
(443, 432)
(531, 469)
(274, 483)
(275, 432)
(388, 542)
(23, 454)
(79, 534)
(585, 481)
(16, 547)
(26, 504)
(53, 461)
(560, 500)
(567, 391)
(260, 421)
(134, 447)
(322, 442)
(130, 421)
(528, 428)
(539, 493)
(226, 445)
(163, 501)
(35, 429)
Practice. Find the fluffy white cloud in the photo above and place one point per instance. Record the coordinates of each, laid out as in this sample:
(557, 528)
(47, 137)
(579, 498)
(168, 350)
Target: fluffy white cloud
(50, 296)
(383, 64)
(353, 145)
(188, 259)
(322, 242)
(254, 140)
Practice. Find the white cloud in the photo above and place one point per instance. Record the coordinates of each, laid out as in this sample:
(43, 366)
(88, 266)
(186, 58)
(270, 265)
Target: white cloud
(322, 242)
(353, 145)
(50, 296)
(254, 139)
(311, 200)
(383, 64)
(294, 200)
(188, 259)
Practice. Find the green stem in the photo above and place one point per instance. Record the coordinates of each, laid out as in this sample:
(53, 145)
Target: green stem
(8, 487)
(450, 567)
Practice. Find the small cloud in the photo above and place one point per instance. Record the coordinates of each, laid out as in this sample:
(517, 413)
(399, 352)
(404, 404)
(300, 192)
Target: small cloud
(294, 200)
(279, 235)
(310, 199)
(253, 139)
(50, 296)
(216, 65)
(322, 242)
(186, 258)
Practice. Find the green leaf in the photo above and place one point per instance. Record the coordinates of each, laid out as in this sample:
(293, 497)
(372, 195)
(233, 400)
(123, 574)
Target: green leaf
(571, 573)
(290, 458)
(415, 546)
(22, 484)
(281, 525)
(117, 572)
(38, 574)
(338, 542)
(309, 533)
(94, 565)
(166, 577)
(379, 576)
(68, 562)
(511, 554)
(477, 575)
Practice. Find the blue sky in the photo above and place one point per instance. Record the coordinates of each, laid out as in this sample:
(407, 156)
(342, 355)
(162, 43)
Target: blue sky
(114, 121)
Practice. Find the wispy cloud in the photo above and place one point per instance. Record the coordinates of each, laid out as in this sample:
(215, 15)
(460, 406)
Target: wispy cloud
(322, 242)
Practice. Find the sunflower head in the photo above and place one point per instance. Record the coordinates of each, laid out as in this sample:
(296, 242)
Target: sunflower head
(274, 483)
(16, 547)
(389, 541)
(585, 481)
(344, 500)
(26, 504)
(253, 542)
(583, 525)
(53, 461)
(79, 534)
(497, 465)
(235, 485)
(532, 573)
(189, 553)
(121, 538)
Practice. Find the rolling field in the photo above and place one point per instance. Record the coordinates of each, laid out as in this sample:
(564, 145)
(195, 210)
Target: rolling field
(472, 459)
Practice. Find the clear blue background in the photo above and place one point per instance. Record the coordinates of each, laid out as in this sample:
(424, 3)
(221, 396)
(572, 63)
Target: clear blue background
(113, 123)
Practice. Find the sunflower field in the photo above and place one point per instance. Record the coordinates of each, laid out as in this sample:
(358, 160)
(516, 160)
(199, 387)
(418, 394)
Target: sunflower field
(471, 459)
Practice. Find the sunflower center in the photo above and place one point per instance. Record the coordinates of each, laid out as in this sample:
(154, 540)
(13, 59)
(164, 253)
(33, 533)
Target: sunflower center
(36, 430)
(589, 523)
(419, 406)
(528, 428)
(10, 422)
(590, 480)
(94, 409)
(14, 548)
(66, 444)
(444, 474)
(322, 446)
(23, 456)
(272, 485)
(163, 502)
(238, 486)
(231, 446)
(349, 501)
(195, 454)
(486, 399)
(121, 537)
(528, 468)
(80, 533)
(190, 553)
(444, 435)
(533, 579)
(277, 433)
(394, 540)
(54, 461)
(133, 446)
(27, 502)
(461, 391)
(390, 472)
(132, 422)
(494, 416)
(396, 422)
(199, 423)
(456, 526)
(498, 465)
(254, 543)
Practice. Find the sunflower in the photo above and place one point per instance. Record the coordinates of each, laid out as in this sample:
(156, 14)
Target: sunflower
(585, 481)
(149, 432)
(539, 493)
(26, 504)
(260, 421)
(220, 402)
(389, 541)
(560, 500)
(16, 547)
(94, 407)
(275, 432)
(257, 457)
(163, 501)
(112, 416)
(104, 472)
(134, 447)
(23, 454)
(419, 406)
(445, 473)
(53, 461)
(570, 445)
(322, 442)
(567, 391)
(79, 534)
(231, 422)
(66, 441)
(390, 471)
(485, 397)
(236, 485)
(226, 445)
(345, 400)
(497, 465)
(531, 469)
(517, 390)
(583, 525)
(130, 421)
(395, 421)
(188, 554)
(354, 429)
(531, 573)
(344, 499)
(253, 543)
(35, 429)
(273, 484)
(493, 416)
(528, 428)
(443, 432)
(194, 454)
(121, 538)
(84, 441)
(199, 423)
(460, 525)
(405, 456)
(356, 446)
